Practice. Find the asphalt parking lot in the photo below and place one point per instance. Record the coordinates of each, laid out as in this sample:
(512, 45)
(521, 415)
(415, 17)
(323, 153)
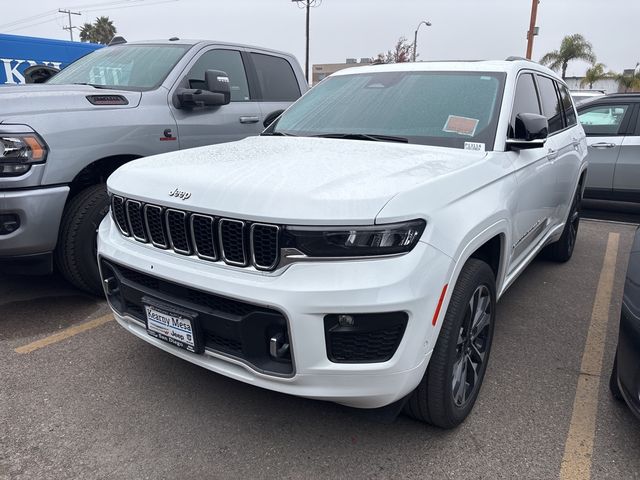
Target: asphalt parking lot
(82, 398)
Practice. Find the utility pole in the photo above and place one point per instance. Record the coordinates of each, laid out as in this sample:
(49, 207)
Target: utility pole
(307, 4)
(533, 30)
(415, 38)
(70, 27)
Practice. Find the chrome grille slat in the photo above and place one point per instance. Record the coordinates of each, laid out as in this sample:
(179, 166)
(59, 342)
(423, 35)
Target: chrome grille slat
(136, 223)
(178, 232)
(204, 238)
(234, 242)
(156, 229)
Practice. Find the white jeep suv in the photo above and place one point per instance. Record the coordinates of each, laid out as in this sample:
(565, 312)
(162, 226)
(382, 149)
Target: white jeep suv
(356, 250)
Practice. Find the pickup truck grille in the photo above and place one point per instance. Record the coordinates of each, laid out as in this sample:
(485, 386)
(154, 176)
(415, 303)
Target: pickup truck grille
(232, 241)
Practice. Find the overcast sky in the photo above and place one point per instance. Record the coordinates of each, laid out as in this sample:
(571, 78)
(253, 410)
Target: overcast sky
(462, 29)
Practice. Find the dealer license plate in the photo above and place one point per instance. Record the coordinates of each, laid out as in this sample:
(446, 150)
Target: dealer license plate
(171, 327)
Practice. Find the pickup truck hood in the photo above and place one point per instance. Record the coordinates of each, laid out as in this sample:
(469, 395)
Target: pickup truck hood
(293, 180)
(31, 99)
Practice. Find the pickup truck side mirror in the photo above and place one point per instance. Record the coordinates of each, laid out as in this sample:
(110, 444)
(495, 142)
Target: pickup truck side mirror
(531, 131)
(217, 93)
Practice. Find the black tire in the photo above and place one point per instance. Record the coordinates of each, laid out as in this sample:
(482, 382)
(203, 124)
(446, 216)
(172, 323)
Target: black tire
(76, 251)
(562, 250)
(433, 399)
(613, 381)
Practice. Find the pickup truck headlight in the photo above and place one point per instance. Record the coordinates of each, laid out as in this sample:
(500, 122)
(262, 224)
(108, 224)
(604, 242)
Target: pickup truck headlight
(356, 241)
(19, 151)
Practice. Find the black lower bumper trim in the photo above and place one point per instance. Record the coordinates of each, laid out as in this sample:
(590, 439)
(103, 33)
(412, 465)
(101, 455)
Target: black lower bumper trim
(39, 264)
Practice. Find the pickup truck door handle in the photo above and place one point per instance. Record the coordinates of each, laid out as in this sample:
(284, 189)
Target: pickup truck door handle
(249, 119)
(603, 145)
(552, 154)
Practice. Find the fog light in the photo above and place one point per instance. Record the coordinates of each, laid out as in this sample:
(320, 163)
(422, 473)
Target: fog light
(10, 169)
(346, 320)
(9, 223)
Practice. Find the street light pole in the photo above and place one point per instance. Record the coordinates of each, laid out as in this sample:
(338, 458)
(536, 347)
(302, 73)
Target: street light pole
(307, 4)
(415, 38)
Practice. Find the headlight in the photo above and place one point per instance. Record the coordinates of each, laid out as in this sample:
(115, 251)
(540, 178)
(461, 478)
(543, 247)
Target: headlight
(19, 151)
(355, 241)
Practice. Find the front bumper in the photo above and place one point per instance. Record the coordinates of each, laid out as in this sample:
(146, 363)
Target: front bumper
(39, 212)
(305, 293)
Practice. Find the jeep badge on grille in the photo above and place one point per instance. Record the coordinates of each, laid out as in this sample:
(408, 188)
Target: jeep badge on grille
(180, 194)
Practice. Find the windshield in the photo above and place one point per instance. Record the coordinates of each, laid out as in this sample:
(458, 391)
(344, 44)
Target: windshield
(429, 108)
(125, 67)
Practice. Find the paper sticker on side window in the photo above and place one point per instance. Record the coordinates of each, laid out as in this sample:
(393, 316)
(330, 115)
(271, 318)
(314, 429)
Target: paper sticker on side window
(461, 125)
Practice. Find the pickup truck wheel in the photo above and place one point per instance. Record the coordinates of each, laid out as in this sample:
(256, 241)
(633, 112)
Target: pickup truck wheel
(562, 250)
(451, 384)
(77, 241)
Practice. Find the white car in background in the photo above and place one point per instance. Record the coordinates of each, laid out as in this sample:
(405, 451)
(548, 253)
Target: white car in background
(356, 250)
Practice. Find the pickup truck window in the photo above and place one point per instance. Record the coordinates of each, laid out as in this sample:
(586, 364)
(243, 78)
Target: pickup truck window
(125, 67)
(429, 108)
(526, 100)
(229, 61)
(277, 80)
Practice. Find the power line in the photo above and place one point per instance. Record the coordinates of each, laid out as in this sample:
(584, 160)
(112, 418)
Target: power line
(29, 19)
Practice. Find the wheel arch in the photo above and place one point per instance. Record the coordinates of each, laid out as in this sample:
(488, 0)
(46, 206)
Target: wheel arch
(97, 172)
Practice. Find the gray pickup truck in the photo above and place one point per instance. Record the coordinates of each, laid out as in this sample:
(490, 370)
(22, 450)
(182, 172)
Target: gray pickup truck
(59, 141)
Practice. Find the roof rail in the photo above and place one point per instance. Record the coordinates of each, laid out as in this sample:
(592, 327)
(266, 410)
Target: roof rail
(515, 58)
(117, 41)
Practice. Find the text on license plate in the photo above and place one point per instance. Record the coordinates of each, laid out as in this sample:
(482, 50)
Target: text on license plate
(172, 326)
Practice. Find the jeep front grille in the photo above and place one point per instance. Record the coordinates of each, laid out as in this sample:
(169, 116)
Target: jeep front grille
(235, 242)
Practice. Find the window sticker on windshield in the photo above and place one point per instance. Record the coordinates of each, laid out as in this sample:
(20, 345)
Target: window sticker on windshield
(461, 125)
(475, 146)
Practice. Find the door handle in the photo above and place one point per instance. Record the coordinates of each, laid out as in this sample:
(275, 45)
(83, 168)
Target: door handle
(249, 119)
(552, 154)
(603, 145)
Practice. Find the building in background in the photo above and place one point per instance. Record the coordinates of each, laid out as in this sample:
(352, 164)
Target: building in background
(323, 70)
(17, 53)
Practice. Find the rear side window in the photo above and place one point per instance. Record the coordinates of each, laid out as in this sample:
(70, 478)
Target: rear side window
(525, 101)
(567, 105)
(276, 77)
(603, 120)
(551, 107)
(230, 62)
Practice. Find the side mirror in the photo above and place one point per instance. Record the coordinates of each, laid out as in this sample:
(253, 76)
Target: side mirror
(272, 117)
(39, 73)
(531, 131)
(217, 93)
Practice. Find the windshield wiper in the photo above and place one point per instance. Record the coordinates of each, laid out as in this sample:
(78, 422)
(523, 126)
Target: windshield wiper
(364, 136)
(277, 134)
(91, 85)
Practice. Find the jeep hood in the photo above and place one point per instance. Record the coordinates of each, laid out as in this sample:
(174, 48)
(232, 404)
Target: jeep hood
(32, 99)
(294, 180)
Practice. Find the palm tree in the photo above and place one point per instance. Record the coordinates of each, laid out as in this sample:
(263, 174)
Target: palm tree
(572, 47)
(100, 31)
(629, 81)
(593, 74)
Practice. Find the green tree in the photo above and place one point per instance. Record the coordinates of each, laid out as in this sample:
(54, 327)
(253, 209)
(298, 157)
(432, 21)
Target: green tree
(100, 31)
(402, 52)
(628, 82)
(593, 74)
(572, 47)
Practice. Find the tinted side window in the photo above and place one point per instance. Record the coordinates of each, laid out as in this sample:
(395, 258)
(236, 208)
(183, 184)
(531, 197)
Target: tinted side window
(276, 78)
(567, 104)
(525, 101)
(551, 107)
(603, 120)
(229, 61)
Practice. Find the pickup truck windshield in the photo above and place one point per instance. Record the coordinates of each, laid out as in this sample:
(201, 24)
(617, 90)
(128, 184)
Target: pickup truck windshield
(430, 108)
(125, 67)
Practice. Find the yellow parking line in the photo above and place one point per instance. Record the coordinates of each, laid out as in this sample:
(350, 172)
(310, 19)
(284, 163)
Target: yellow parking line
(578, 449)
(63, 334)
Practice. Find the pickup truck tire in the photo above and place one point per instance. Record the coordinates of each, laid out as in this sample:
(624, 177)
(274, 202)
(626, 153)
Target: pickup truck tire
(76, 251)
(450, 386)
(562, 250)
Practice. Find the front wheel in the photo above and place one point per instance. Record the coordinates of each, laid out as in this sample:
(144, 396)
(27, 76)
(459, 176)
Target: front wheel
(450, 386)
(76, 255)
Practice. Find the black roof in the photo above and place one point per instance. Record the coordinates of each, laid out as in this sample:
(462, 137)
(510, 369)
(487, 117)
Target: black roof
(611, 98)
